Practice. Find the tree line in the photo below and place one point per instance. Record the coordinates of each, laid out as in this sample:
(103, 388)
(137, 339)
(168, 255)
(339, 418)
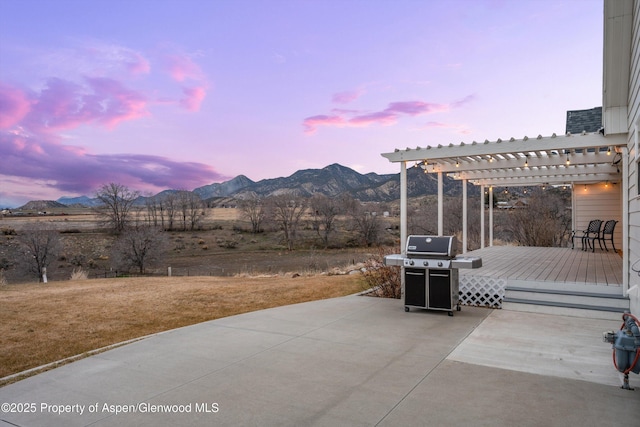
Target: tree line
(140, 230)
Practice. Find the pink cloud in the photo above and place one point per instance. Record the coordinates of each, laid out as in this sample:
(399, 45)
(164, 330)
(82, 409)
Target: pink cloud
(181, 67)
(464, 101)
(64, 105)
(112, 103)
(98, 59)
(137, 64)
(386, 117)
(193, 98)
(346, 96)
(414, 108)
(14, 106)
(75, 170)
(436, 125)
(311, 123)
(94, 92)
(30, 145)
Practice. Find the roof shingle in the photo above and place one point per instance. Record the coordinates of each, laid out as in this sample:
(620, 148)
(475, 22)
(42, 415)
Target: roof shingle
(584, 120)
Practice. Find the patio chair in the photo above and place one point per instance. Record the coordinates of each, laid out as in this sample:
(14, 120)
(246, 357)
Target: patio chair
(608, 229)
(593, 230)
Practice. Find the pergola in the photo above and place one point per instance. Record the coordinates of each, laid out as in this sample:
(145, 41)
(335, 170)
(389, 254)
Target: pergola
(584, 158)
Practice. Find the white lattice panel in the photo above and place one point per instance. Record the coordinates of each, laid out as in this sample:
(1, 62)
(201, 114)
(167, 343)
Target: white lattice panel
(482, 291)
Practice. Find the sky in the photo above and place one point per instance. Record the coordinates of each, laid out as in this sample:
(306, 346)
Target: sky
(164, 94)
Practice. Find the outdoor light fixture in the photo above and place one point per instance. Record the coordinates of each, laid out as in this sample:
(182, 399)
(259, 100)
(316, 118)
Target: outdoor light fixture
(526, 162)
(609, 151)
(457, 163)
(568, 161)
(585, 187)
(423, 165)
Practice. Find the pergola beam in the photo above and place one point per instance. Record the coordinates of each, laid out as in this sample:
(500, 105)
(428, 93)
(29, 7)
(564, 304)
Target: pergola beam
(536, 159)
(552, 143)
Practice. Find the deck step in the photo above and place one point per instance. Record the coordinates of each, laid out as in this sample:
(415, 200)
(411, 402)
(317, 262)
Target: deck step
(602, 305)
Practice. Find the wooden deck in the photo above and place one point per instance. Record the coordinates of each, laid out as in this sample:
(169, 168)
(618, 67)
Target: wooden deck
(552, 265)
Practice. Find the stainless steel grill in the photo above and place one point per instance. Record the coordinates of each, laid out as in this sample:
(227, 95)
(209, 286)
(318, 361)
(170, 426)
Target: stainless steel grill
(431, 279)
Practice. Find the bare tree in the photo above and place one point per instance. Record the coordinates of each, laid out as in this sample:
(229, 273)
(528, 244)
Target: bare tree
(139, 248)
(170, 209)
(190, 209)
(452, 221)
(253, 208)
(423, 217)
(116, 201)
(366, 222)
(545, 221)
(286, 210)
(154, 211)
(42, 246)
(325, 209)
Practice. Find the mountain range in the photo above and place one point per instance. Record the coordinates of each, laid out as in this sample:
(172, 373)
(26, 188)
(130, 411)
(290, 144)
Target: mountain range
(331, 181)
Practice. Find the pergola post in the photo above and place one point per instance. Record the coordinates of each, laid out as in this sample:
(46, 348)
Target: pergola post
(403, 207)
(464, 216)
(403, 219)
(491, 215)
(482, 216)
(440, 205)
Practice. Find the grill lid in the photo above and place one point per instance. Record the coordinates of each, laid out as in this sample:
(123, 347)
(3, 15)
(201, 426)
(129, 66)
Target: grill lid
(432, 246)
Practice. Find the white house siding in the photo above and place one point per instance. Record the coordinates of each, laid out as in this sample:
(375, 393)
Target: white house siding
(634, 165)
(599, 201)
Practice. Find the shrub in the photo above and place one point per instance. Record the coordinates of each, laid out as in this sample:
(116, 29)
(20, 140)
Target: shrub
(8, 231)
(78, 260)
(79, 274)
(227, 244)
(385, 281)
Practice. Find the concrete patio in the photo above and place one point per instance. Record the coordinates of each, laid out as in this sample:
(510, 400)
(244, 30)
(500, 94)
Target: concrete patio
(351, 361)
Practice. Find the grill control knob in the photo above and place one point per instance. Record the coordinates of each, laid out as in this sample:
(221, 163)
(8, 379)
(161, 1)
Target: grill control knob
(439, 263)
(425, 263)
(411, 262)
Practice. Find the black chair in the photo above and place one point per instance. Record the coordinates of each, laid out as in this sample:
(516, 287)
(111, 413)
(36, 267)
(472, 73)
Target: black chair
(592, 232)
(608, 229)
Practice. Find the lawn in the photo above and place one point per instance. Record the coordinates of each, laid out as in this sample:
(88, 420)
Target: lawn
(44, 323)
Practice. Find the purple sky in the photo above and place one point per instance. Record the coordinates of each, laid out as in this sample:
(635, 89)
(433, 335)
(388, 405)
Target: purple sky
(158, 94)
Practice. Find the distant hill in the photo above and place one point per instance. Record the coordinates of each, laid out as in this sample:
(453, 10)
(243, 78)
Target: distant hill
(223, 189)
(41, 205)
(82, 200)
(331, 181)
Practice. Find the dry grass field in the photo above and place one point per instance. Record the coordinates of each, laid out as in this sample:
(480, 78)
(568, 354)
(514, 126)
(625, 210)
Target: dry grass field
(224, 246)
(40, 324)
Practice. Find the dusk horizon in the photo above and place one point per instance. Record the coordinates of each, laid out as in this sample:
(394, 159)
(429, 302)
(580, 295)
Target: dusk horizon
(182, 94)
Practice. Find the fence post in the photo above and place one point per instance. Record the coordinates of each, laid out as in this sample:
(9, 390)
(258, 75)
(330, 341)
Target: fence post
(169, 271)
